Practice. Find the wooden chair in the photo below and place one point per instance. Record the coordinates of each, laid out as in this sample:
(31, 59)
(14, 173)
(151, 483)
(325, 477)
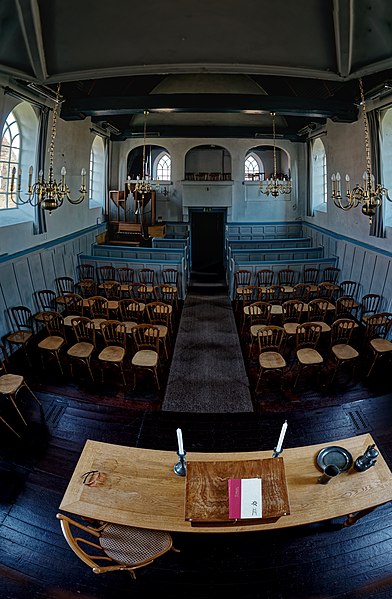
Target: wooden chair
(292, 311)
(46, 302)
(128, 311)
(55, 340)
(275, 294)
(302, 292)
(166, 294)
(114, 547)
(114, 335)
(326, 290)
(243, 289)
(170, 278)
(146, 277)
(264, 278)
(99, 310)
(22, 319)
(311, 277)
(74, 307)
(317, 313)
(259, 316)
(307, 338)
(348, 288)
(10, 385)
(84, 347)
(378, 327)
(271, 341)
(64, 286)
(286, 279)
(86, 283)
(346, 307)
(331, 275)
(135, 309)
(341, 349)
(125, 277)
(158, 314)
(106, 278)
(146, 358)
(370, 304)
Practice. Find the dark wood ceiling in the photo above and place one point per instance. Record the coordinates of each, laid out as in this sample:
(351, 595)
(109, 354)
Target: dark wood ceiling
(210, 70)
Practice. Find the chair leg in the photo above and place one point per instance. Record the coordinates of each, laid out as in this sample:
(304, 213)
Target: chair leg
(372, 366)
(33, 394)
(258, 380)
(89, 369)
(298, 373)
(9, 426)
(59, 363)
(156, 379)
(16, 408)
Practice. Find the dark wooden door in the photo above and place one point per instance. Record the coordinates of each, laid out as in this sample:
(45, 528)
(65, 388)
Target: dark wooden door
(207, 241)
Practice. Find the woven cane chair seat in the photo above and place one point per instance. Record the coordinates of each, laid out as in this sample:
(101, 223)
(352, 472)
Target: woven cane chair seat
(271, 360)
(308, 356)
(51, 343)
(81, 350)
(9, 383)
(112, 353)
(343, 351)
(381, 345)
(145, 357)
(133, 546)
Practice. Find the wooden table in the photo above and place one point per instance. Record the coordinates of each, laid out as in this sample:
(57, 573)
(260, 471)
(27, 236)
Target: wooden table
(139, 487)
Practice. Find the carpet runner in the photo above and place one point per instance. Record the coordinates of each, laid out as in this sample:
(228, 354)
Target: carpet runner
(207, 373)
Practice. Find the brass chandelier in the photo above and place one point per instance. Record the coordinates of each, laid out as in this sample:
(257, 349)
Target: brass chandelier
(370, 194)
(48, 194)
(145, 184)
(275, 186)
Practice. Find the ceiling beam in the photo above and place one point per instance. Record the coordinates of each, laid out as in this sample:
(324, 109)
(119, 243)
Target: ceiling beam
(209, 103)
(30, 23)
(343, 19)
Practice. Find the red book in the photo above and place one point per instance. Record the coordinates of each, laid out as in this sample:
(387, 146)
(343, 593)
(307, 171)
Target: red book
(245, 500)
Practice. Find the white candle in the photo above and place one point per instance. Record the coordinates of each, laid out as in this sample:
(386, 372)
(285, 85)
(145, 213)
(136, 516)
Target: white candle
(180, 443)
(281, 437)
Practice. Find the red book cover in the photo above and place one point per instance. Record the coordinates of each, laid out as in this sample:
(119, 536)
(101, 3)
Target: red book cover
(234, 487)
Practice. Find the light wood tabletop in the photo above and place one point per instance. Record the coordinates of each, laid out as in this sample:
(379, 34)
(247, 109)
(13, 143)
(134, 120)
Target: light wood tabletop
(138, 486)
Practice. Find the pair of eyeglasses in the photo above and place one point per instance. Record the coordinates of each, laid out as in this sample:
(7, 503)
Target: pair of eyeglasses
(91, 478)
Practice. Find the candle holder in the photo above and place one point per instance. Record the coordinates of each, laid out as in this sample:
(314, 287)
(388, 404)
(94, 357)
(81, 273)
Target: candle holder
(276, 454)
(180, 467)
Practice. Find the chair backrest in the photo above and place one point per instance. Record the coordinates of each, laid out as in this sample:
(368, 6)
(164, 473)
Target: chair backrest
(130, 309)
(84, 329)
(307, 335)
(125, 275)
(286, 276)
(330, 274)
(65, 285)
(106, 273)
(22, 318)
(348, 288)
(73, 304)
(86, 271)
(170, 276)
(275, 294)
(114, 332)
(112, 291)
(146, 276)
(165, 293)
(317, 309)
(3, 359)
(378, 325)
(99, 306)
(370, 304)
(292, 310)
(260, 312)
(139, 291)
(301, 291)
(326, 289)
(264, 277)
(46, 300)
(344, 307)
(86, 287)
(311, 275)
(341, 330)
(146, 336)
(242, 277)
(54, 323)
(271, 338)
(158, 312)
(83, 540)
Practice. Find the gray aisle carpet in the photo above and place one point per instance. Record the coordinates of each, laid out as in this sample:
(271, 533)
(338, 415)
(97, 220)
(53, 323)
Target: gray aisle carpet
(207, 373)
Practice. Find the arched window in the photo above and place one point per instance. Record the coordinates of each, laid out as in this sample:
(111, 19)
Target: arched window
(386, 161)
(96, 189)
(9, 159)
(319, 175)
(253, 168)
(163, 167)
